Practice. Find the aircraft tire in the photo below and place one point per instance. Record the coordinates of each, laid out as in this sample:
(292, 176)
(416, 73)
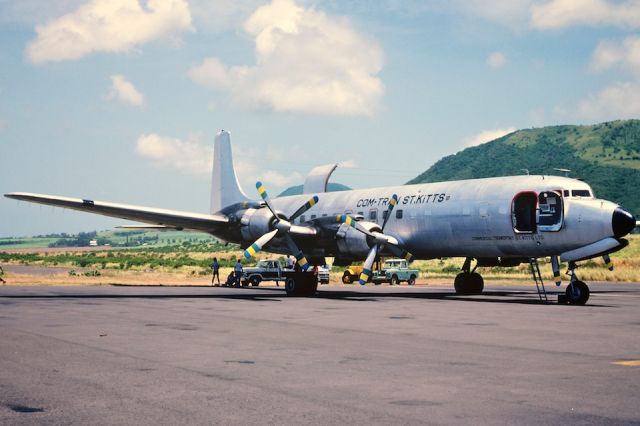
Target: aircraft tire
(301, 285)
(579, 295)
(477, 283)
(467, 283)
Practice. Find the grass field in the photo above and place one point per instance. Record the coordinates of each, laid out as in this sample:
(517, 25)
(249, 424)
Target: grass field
(188, 263)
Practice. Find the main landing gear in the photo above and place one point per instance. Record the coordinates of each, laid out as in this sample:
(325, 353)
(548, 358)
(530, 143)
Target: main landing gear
(301, 284)
(577, 292)
(468, 281)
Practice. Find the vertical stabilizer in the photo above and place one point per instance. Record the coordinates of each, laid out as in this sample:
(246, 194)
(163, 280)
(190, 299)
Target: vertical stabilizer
(225, 189)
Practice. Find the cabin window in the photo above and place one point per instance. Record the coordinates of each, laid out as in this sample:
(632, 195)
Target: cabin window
(361, 214)
(302, 219)
(313, 216)
(550, 211)
(373, 215)
(523, 212)
(580, 193)
(398, 214)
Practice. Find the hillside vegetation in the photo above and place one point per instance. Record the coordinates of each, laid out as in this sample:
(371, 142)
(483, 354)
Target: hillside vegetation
(607, 156)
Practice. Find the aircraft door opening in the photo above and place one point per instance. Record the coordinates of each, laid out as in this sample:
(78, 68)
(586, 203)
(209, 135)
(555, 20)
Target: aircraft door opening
(523, 212)
(551, 214)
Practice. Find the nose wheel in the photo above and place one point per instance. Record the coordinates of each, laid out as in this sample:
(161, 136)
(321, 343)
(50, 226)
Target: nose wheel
(577, 292)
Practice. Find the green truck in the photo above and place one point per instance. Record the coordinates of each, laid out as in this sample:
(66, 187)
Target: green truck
(395, 271)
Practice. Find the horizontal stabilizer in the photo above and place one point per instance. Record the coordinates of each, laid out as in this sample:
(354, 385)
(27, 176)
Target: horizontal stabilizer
(153, 216)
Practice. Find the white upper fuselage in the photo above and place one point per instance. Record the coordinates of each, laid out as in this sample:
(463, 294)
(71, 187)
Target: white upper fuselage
(471, 218)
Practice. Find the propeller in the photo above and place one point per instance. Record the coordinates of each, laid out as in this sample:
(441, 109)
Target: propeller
(282, 227)
(379, 240)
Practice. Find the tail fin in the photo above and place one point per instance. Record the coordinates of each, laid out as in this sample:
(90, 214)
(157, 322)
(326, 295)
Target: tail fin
(225, 189)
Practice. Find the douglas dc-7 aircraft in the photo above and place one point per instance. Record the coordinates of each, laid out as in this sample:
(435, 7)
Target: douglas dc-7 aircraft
(501, 221)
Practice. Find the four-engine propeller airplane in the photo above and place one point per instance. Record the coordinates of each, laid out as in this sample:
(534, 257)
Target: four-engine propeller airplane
(495, 221)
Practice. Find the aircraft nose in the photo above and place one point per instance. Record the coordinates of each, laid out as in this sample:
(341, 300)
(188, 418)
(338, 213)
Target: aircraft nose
(622, 222)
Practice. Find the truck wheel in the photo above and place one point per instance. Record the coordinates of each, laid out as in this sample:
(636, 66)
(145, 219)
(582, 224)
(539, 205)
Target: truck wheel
(395, 280)
(255, 281)
(347, 278)
(412, 280)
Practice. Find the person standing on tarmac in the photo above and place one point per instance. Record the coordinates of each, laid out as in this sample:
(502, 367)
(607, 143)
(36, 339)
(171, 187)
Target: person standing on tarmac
(215, 269)
(238, 272)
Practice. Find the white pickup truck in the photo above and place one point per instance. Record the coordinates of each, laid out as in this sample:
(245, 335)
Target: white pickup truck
(274, 270)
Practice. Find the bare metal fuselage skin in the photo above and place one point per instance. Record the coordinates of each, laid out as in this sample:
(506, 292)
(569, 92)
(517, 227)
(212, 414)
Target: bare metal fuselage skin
(469, 218)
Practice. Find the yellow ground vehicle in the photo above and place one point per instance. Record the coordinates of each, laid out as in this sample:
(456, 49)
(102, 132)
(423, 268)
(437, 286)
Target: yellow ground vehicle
(351, 274)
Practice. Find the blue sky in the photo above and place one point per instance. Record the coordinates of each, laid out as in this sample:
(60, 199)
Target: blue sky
(119, 100)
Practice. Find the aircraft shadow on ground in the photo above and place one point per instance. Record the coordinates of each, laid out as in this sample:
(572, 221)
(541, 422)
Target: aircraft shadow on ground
(277, 295)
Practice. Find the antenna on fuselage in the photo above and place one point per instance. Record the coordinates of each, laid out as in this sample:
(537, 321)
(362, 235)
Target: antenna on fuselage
(565, 171)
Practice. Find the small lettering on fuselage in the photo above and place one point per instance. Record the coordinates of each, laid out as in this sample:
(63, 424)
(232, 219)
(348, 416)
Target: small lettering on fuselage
(517, 237)
(407, 199)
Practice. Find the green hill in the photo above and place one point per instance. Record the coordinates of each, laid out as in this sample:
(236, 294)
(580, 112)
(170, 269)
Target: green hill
(297, 190)
(607, 156)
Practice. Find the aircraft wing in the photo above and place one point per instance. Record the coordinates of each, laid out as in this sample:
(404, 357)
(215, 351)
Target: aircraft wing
(168, 218)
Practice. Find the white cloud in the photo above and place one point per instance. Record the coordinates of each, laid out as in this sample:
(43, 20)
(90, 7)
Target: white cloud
(496, 60)
(486, 136)
(107, 26)
(609, 54)
(306, 62)
(173, 153)
(195, 158)
(616, 102)
(123, 90)
(557, 14)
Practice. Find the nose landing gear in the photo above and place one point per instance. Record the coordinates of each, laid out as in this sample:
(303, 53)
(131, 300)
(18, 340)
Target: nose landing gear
(577, 292)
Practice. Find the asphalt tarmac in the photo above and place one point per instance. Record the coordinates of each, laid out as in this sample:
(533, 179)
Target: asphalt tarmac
(372, 355)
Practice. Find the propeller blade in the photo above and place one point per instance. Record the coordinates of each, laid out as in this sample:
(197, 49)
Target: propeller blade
(263, 193)
(392, 203)
(607, 261)
(345, 218)
(300, 259)
(366, 268)
(312, 202)
(260, 242)
(399, 252)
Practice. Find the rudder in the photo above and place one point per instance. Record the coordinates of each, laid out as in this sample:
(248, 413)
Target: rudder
(225, 188)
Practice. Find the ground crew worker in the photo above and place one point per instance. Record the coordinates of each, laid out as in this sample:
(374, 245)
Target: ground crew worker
(238, 272)
(289, 262)
(215, 269)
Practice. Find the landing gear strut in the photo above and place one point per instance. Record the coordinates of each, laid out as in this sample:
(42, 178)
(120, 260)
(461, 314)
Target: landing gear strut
(577, 291)
(468, 281)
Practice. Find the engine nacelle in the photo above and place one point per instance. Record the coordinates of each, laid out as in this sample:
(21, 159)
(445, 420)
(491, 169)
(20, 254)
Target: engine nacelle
(255, 223)
(353, 243)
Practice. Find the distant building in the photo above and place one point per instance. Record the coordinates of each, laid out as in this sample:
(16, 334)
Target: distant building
(93, 243)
